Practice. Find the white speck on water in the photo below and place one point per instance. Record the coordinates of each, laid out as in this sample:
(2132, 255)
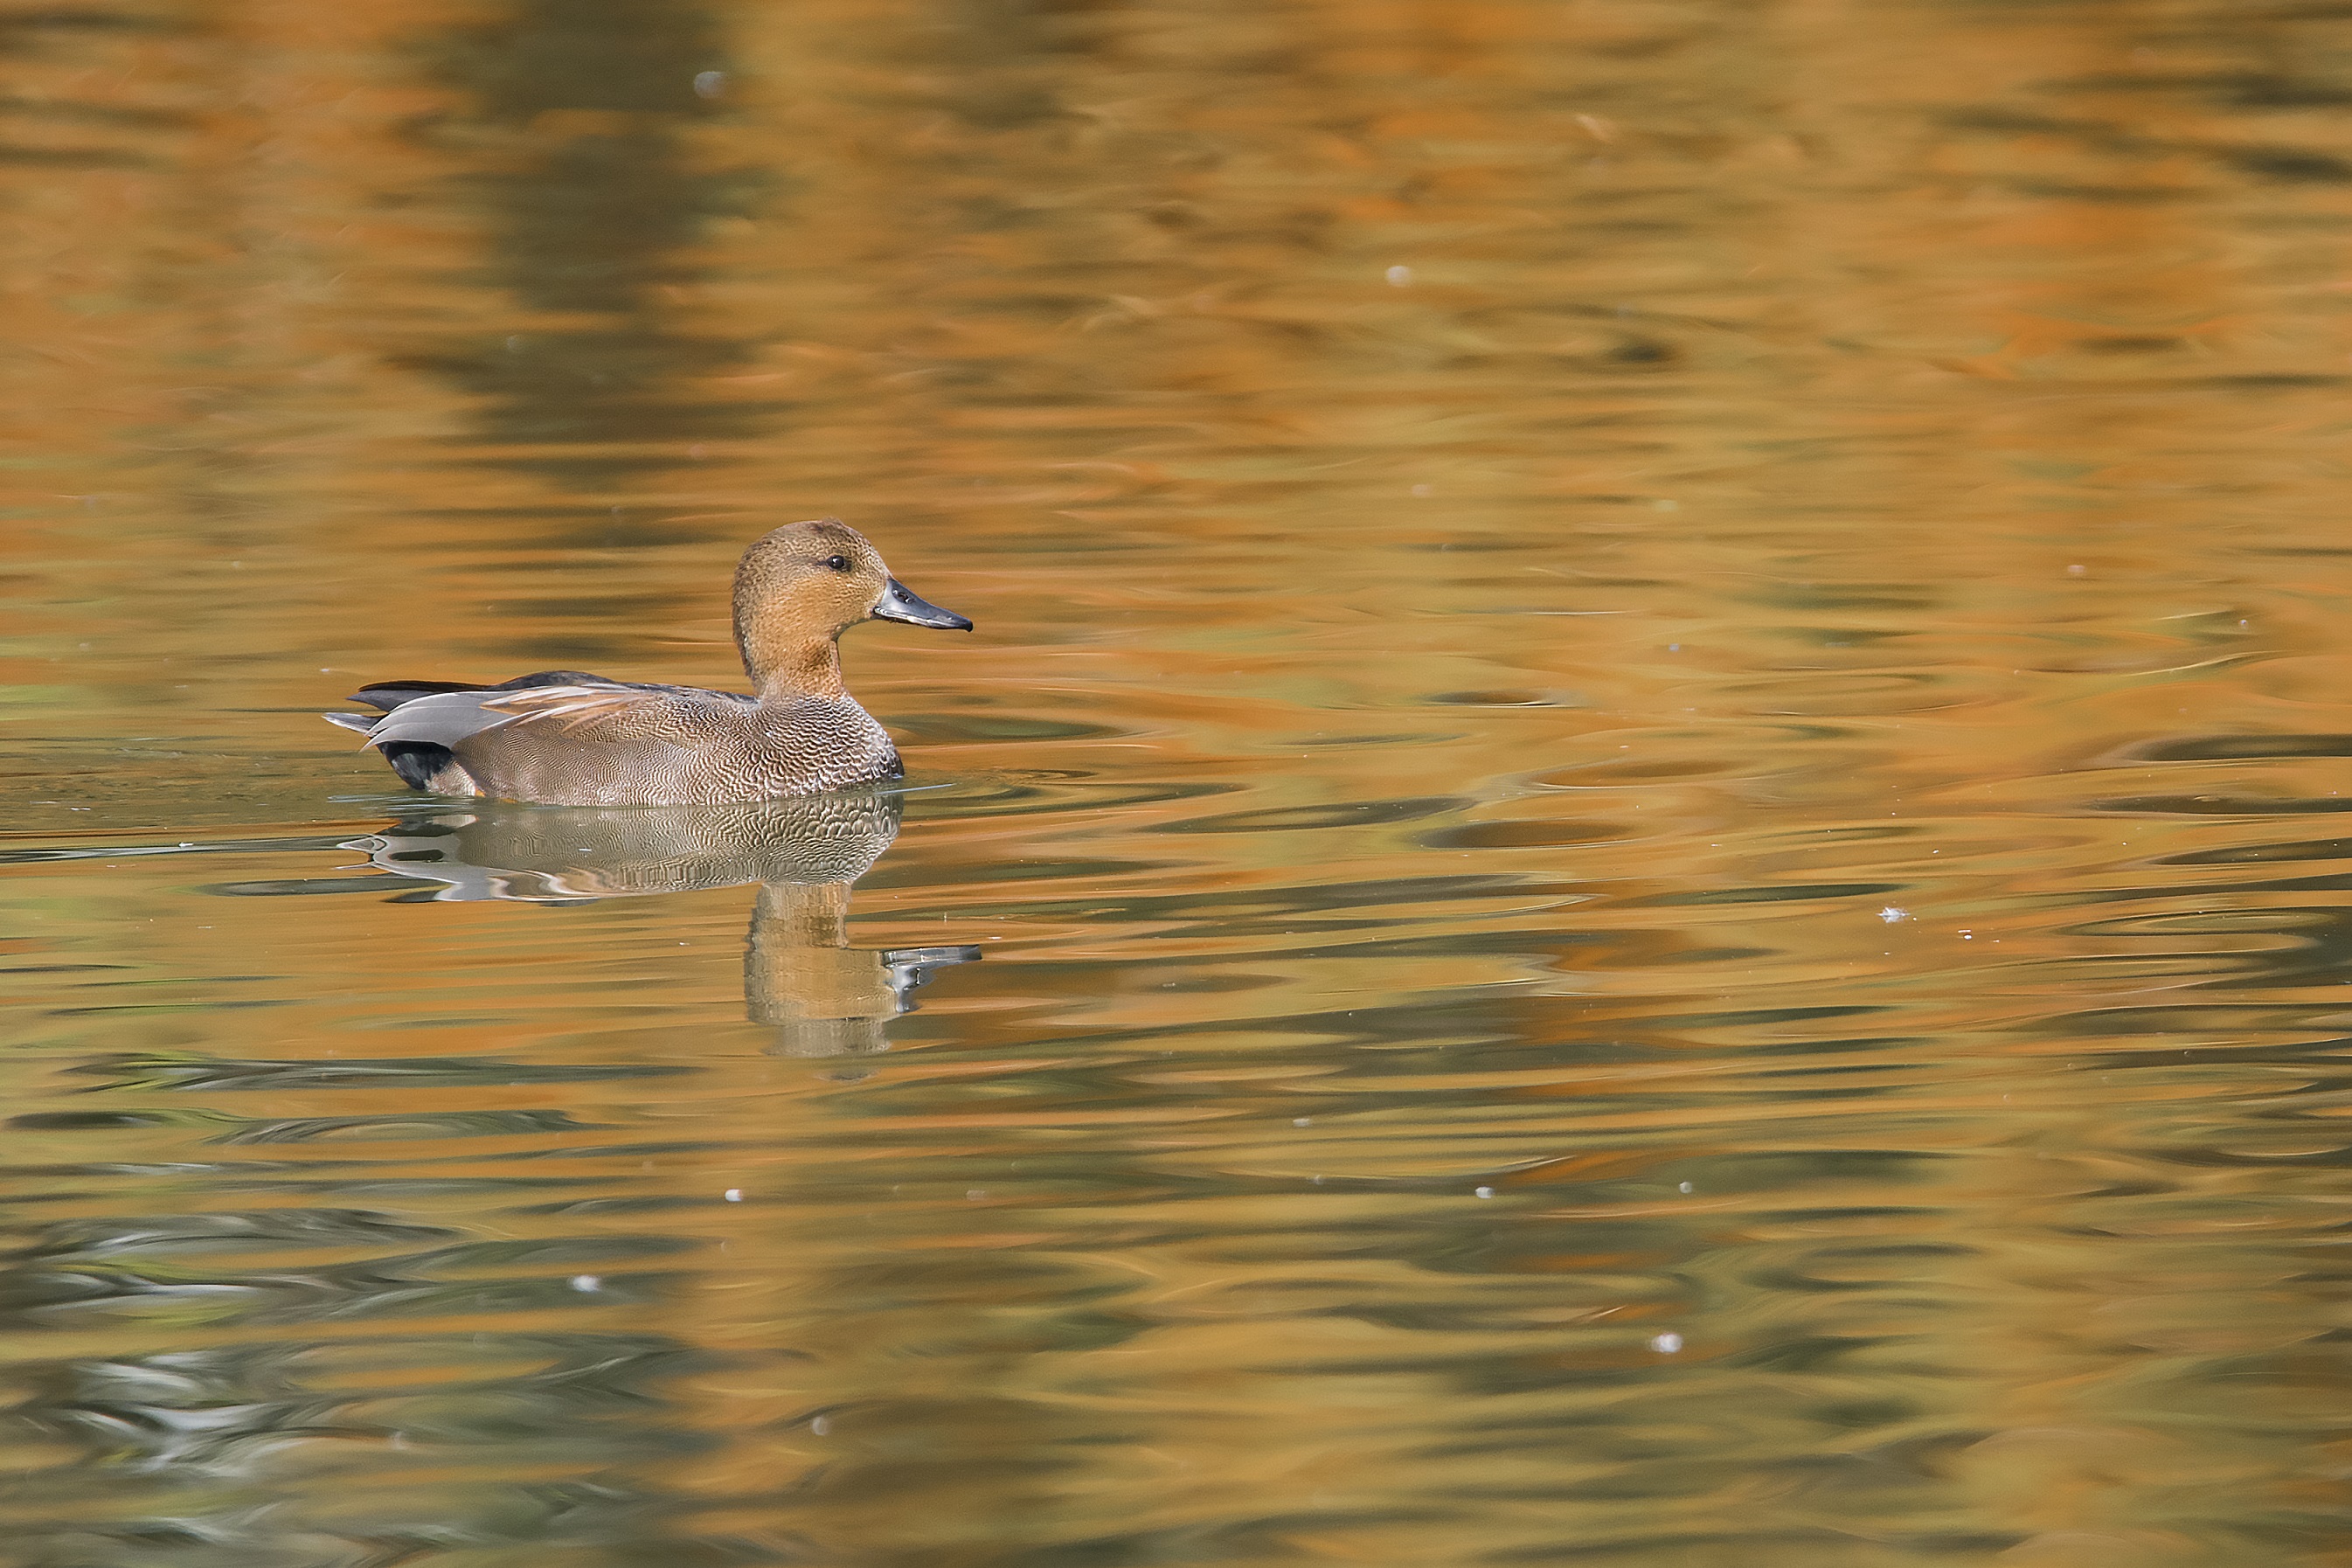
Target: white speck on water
(587, 1282)
(1890, 914)
(1302, 1121)
(2076, 571)
(975, 1192)
(1666, 1344)
(1485, 1191)
(1399, 277)
(1673, 647)
(709, 84)
(1423, 492)
(1684, 1187)
(1316, 1180)
(734, 1195)
(821, 1425)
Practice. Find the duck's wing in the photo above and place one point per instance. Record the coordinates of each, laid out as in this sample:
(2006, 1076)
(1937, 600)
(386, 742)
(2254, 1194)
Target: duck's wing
(388, 695)
(450, 719)
(605, 744)
(524, 738)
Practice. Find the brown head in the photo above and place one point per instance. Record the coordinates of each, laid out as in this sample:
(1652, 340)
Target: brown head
(799, 587)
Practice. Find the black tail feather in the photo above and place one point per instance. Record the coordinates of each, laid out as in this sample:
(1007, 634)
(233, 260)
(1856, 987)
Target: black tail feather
(388, 695)
(417, 760)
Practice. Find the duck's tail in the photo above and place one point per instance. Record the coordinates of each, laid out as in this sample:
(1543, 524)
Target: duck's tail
(418, 763)
(419, 748)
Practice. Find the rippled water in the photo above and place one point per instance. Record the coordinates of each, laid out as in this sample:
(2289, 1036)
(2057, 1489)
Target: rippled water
(1641, 861)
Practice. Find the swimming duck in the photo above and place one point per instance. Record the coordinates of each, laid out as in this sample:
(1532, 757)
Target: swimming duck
(563, 737)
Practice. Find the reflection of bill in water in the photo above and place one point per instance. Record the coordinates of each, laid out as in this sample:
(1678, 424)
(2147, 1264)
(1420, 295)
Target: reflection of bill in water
(801, 976)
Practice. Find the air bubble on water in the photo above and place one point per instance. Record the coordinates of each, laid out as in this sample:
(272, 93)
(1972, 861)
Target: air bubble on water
(709, 84)
(821, 1425)
(1399, 277)
(1485, 1191)
(734, 1195)
(587, 1282)
(1302, 1121)
(975, 1192)
(1666, 1344)
(1684, 1187)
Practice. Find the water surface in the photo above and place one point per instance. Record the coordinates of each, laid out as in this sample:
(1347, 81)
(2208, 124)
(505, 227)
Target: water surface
(1641, 861)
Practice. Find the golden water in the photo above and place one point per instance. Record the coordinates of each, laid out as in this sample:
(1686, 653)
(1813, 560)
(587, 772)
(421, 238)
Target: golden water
(1639, 864)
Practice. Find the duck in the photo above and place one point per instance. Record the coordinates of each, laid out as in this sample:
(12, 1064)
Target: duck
(563, 737)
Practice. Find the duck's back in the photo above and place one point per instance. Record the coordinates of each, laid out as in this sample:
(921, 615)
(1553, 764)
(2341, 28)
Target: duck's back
(596, 742)
(679, 748)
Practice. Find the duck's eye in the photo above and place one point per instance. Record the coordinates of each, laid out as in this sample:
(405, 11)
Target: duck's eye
(837, 563)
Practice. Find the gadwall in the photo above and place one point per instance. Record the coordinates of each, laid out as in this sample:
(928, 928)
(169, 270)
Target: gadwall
(565, 737)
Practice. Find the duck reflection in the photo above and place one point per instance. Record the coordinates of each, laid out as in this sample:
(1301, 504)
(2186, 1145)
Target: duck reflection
(800, 975)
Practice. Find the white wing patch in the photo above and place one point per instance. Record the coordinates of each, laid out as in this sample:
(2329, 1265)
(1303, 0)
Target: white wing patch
(450, 718)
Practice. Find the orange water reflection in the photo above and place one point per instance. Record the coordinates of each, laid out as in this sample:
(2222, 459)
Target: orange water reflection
(1650, 788)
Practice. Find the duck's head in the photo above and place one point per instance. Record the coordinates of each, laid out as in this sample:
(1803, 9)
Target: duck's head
(801, 586)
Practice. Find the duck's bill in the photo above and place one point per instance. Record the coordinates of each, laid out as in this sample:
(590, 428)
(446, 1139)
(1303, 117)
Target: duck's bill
(899, 605)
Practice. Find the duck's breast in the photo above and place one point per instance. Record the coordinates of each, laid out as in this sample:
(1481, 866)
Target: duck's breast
(817, 744)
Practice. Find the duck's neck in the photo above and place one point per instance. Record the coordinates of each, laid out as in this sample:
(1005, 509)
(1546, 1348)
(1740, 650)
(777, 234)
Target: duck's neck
(787, 667)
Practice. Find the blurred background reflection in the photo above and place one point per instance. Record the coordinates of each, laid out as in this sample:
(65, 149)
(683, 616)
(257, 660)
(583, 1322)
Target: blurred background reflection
(1651, 785)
